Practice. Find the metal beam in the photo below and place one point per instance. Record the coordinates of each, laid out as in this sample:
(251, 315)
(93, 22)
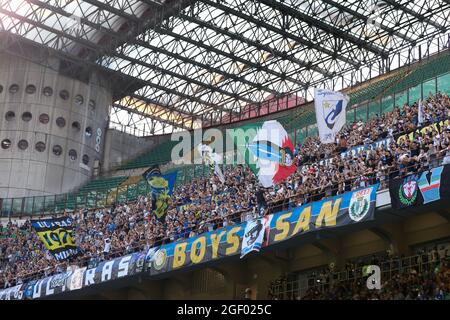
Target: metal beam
(117, 12)
(225, 54)
(168, 108)
(83, 20)
(259, 46)
(37, 24)
(13, 38)
(418, 16)
(94, 46)
(365, 18)
(182, 77)
(307, 43)
(132, 60)
(201, 65)
(317, 23)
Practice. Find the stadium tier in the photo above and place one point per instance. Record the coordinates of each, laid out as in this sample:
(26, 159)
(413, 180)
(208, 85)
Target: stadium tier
(317, 168)
(235, 204)
(158, 155)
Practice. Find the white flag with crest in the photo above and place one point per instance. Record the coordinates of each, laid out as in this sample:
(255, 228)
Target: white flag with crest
(330, 109)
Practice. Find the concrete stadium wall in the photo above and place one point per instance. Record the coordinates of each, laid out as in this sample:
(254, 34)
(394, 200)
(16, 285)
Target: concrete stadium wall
(121, 146)
(27, 171)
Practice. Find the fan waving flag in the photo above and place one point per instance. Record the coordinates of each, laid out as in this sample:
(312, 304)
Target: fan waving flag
(330, 107)
(162, 188)
(57, 235)
(268, 150)
(211, 158)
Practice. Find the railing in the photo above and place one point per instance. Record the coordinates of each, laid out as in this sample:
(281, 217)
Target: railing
(315, 284)
(231, 219)
(56, 204)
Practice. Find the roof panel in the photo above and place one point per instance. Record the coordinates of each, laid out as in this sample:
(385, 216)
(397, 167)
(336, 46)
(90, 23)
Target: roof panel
(207, 57)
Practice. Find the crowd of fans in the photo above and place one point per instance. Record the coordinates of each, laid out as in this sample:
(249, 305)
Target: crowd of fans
(424, 276)
(207, 204)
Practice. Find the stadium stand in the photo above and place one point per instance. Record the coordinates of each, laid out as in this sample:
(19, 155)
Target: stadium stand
(90, 92)
(97, 188)
(423, 276)
(131, 227)
(295, 120)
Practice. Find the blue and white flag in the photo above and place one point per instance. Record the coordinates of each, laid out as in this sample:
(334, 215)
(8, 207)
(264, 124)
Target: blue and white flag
(330, 113)
(254, 233)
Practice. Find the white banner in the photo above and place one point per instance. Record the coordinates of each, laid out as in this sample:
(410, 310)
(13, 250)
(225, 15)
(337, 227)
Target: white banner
(330, 113)
(420, 115)
(75, 282)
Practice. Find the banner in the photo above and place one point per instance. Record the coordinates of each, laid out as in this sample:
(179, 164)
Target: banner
(254, 235)
(438, 126)
(13, 293)
(421, 188)
(57, 235)
(420, 117)
(217, 199)
(383, 143)
(349, 208)
(75, 282)
(267, 150)
(83, 277)
(150, 172)
(162, 188)
(330, 107)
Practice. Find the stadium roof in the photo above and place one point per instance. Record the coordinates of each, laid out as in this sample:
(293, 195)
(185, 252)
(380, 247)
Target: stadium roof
(179, 63)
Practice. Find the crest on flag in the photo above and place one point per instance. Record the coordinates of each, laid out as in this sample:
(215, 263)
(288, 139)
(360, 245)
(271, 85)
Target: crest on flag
(331, 110)
(407, 192)
(359, 204)
(254, 233)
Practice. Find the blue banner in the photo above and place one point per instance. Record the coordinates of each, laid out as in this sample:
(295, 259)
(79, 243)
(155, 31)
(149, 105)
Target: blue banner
(349, 208)
(77, 279)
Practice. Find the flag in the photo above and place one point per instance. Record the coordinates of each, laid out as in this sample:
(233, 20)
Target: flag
(254, 234)
(420, 113)
(57, 235)
(267, 150)
(211, 158)
(421, 188)
(153, 171)
(330, 109)
(162, 188)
